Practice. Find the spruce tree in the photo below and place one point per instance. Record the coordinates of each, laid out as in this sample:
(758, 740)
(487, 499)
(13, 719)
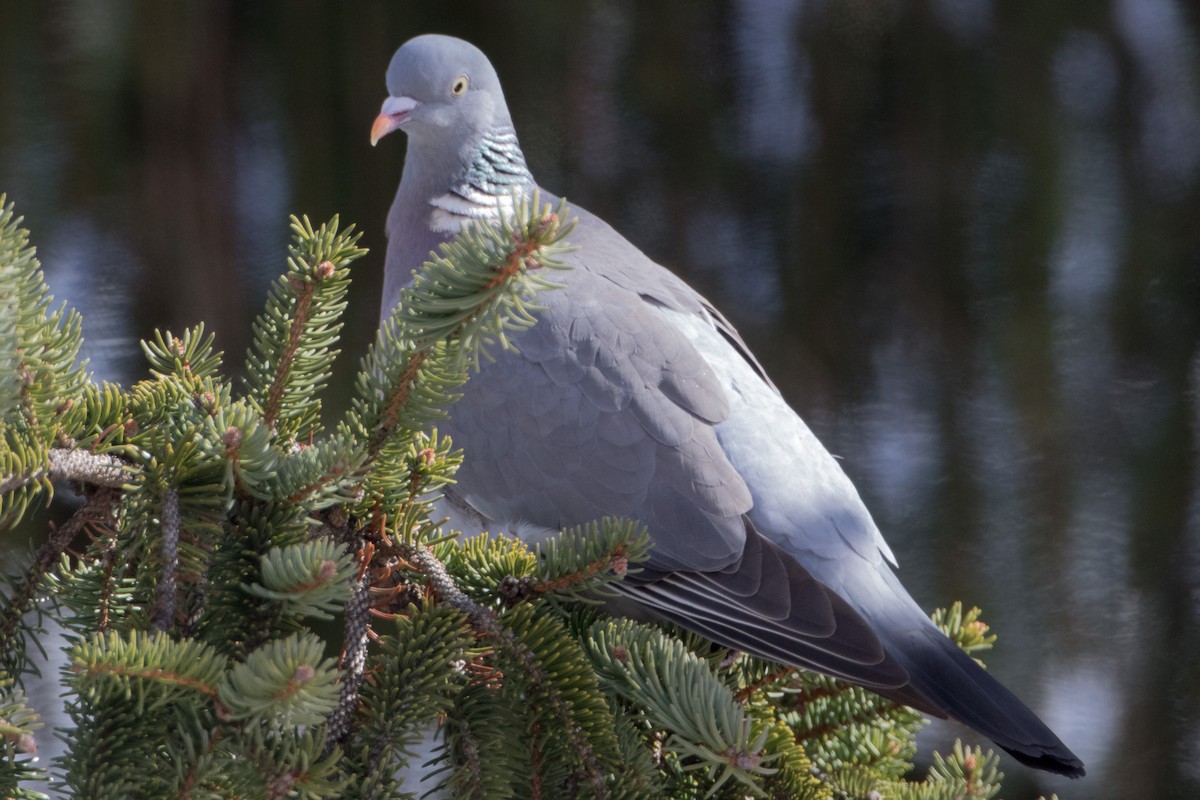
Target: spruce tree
(225, 534)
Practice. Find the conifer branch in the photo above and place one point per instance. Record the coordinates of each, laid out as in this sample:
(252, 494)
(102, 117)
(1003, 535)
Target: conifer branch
(17, 736)
(96, 469)
(750, 689)
(352, 664)
(487, 623)
(14, 481)
(126, 672)
(590, 557)
(473, 765)
(443, 584)
(397, 401)
(616, 560)
(164, 615)
(98, 505)
(299, 320)
(295, 338)
(112, 662)
(108, 560)
(859, 717)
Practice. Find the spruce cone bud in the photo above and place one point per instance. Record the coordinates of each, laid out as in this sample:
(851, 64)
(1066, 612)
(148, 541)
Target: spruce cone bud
(232, 438)
(545, 225)
(281, 785)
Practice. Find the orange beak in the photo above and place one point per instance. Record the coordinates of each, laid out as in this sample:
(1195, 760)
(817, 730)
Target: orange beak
(395, 112)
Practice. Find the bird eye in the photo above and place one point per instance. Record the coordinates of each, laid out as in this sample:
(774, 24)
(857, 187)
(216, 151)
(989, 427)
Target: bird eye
(459, 86)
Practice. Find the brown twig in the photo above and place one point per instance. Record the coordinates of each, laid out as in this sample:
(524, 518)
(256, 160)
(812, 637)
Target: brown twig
(149, 674)
(617, 560)
(747, 691)
(106, 586)
(275, 395)
(399, 399)
(98, 505)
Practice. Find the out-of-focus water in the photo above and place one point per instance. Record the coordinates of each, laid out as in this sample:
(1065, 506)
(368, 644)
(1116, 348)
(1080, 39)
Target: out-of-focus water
(964, 238)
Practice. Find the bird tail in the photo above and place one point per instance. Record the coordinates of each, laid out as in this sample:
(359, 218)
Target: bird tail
(951, 682)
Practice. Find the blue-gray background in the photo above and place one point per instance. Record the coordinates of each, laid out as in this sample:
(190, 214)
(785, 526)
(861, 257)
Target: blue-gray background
(964, 237)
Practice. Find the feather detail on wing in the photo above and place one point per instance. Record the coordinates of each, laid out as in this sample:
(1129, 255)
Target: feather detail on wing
(767, 604)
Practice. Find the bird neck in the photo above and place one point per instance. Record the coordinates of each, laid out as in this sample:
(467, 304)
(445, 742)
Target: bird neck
(494, 172)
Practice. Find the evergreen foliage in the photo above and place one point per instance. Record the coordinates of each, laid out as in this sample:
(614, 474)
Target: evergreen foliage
(223, 526)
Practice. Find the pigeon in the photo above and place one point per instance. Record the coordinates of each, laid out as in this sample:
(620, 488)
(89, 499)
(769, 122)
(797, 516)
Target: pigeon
(634, 397)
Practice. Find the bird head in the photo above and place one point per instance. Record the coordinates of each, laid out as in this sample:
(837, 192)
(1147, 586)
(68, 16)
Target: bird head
(441, 89)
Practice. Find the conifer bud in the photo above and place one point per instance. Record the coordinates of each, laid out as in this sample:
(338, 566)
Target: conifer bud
(744, 760)
(281, 785)
(208, 403)
(545, 225)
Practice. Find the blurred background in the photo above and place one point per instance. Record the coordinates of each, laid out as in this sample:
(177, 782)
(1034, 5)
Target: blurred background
(963, 236)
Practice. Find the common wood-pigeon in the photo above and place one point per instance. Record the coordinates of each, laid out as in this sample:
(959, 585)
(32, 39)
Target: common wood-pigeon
(633, 396)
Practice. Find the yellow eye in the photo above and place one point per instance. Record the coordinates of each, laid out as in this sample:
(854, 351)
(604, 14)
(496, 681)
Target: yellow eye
(459, 86)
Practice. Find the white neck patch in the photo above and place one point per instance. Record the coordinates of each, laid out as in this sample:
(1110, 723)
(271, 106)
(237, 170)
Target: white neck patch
(455, 208)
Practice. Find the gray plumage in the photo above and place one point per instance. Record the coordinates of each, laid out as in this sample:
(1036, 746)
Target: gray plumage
(632, 396)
